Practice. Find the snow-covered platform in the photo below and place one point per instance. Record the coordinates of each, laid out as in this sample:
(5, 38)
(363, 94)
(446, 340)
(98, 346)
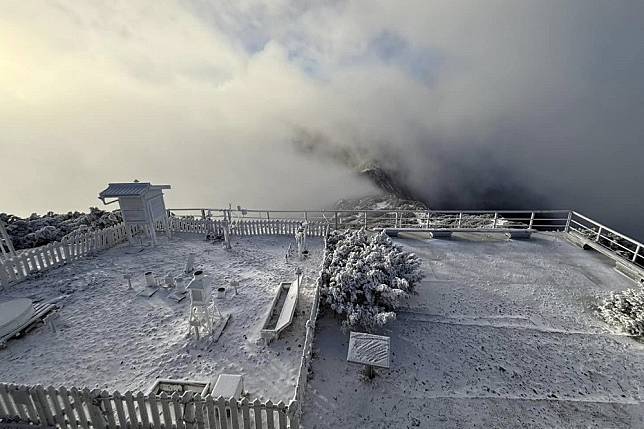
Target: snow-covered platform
(502, 334)
(108, 337)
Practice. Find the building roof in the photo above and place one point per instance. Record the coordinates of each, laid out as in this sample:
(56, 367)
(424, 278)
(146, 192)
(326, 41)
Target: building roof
(133, 189)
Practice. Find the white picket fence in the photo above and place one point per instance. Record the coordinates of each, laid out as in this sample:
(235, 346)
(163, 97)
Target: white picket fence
(95, 409)
(53, 255)
(6, 247)
(307, 350)
(246, 227)
(31, 261)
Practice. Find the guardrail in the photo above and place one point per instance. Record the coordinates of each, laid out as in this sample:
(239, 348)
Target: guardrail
(542, 220)
(615, 244)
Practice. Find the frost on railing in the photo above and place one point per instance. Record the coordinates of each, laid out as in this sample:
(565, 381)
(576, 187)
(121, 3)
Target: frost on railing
(619, 246)
(551, 220)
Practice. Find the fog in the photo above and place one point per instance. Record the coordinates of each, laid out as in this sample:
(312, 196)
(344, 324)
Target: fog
(497, 104)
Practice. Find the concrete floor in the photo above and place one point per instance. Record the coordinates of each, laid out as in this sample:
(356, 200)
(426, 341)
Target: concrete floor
(501, 334)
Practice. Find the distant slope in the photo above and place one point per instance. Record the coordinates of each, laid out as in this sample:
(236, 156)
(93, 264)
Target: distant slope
(395, 194)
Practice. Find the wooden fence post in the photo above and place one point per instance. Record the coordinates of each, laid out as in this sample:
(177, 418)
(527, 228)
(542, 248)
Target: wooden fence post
(78, 405)
(245, 412)
(40, 399)
(210, 412)
(294, 414)
(221, 408)
(67, 408)
(199, 420)
(57, 411)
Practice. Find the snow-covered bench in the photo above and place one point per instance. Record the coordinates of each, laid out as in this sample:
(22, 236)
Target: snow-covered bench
(282, 310)
(447, 232)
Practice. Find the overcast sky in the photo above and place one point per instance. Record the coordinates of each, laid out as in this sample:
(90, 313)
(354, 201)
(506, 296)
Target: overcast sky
(477, 103)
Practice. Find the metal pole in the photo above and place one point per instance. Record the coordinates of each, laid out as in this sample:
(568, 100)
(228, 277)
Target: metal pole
(637, 251)
(336, 220)
(496, 216)
(567, 228)
(365, 219)
(531, 220)
(599, 233)
(460, 218)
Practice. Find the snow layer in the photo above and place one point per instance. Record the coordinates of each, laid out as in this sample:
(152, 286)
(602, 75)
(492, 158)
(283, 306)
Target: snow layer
(502, 334)
(111, 338)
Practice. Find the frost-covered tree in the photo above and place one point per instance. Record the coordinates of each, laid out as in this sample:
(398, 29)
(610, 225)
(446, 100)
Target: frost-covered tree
(364, 279)
(625, 310)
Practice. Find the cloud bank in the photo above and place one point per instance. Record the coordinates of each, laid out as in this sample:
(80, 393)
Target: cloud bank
(476, 104)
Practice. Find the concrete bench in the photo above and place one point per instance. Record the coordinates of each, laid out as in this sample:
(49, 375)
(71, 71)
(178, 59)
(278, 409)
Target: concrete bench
(447, 232)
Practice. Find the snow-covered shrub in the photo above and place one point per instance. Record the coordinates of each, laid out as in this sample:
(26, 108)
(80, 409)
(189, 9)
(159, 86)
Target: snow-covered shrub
(39, 230)
(625, 310)
(364, 279)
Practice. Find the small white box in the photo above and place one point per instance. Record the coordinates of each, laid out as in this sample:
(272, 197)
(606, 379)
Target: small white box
(228, 386)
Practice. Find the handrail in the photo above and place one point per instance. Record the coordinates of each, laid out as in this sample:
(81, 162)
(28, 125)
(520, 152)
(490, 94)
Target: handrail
(395, 218)
(615, 243)
(392, 210)
(612, 231)
(608, 239)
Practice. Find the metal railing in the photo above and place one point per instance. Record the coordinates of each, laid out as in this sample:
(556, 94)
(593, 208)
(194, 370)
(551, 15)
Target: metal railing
(541, 220)
(617, 245)
(614, 244)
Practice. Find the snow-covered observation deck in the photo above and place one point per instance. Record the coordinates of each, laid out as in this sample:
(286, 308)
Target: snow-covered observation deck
(502, 334)
(625, 251)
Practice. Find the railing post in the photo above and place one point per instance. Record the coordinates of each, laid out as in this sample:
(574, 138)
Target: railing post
(460, 218)
(637, 251)
(226, 226)
(496, 217)
(203, 214)
(336, 220)
(268, 215)
(365, 219)
(531, 220)
(567, 228)
(599, 233)
(427, 219)
(306, 216)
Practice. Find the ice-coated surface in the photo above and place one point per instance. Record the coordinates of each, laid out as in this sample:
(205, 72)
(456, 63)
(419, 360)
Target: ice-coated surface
(13, 314)
(501, 334)
(110, 338)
